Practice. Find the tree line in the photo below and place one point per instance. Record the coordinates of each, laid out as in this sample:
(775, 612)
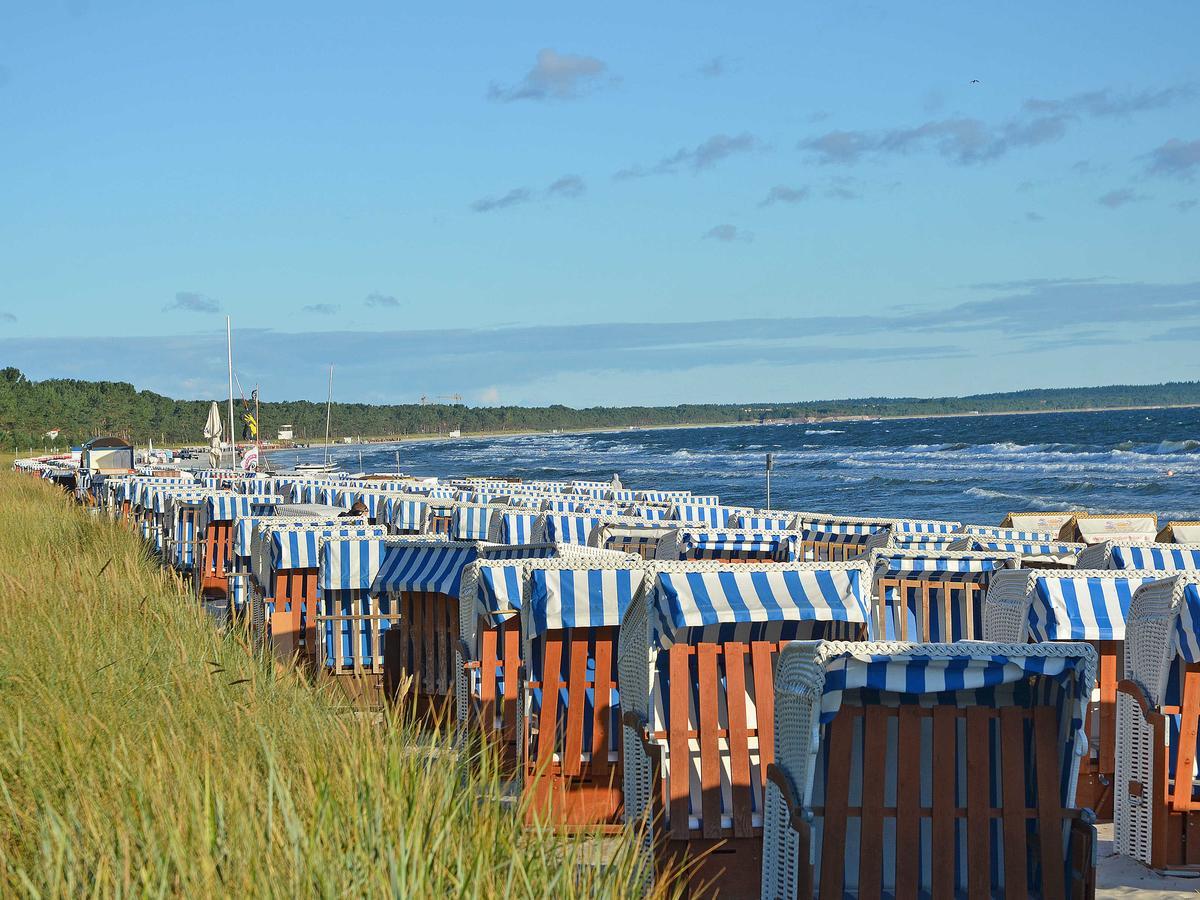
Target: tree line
(84, 409)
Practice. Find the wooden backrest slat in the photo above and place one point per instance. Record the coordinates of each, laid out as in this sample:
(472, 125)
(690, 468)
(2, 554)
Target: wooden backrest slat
(602, 688)
(1107, 683)
(488, 639)
(512, 667)
(551, 681)
(945, 774)
(429, 642)
(739, 738)
(762, 654)
(1185, 756)
(1049, 801)
(908, 802)
(874, 769)
(679, 781)
(979, 804)
(840, 737)
(1013, 804)
(571, 757)
(710, 750)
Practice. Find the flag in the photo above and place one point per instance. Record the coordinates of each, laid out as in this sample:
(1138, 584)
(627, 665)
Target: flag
(250, 459)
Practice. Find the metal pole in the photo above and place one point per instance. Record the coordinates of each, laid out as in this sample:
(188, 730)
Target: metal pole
(770, 465)
(229, 347)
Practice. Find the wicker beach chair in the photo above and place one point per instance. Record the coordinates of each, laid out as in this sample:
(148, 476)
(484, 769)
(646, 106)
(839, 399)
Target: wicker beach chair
(932, 597)
(698, 648)
(729, 545)
(1052, 522)
(1179, 533)
(1096, 528)
(918, 770)
(569, 728)
(1051, 554)
(1079, 605)
(639, 539)
(1157, 793)
(1129, 555)
(216, 523)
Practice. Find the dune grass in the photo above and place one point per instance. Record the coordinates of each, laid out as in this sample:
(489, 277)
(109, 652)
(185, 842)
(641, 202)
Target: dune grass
(145, 752)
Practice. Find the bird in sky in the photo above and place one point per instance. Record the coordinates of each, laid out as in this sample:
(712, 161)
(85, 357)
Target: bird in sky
(974, 81)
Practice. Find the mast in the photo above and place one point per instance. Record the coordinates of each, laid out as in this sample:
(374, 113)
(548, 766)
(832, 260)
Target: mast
(229, 347)
(258, 432)
(328, 405)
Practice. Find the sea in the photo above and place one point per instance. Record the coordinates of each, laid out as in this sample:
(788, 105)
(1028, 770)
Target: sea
(966, 468)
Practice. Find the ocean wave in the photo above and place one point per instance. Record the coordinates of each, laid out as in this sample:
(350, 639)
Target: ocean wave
(824, 431)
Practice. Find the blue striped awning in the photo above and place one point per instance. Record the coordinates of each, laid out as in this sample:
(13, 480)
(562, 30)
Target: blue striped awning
(580, 597)
(517, 527)
(227, 507)
(570, 529)
(686, 600)
(703, 544)
(562, 505)
(763, 522)
(649, 513)
(1187, 625)
(470, 523)
(923, 540)
(712, 516)
(1173, 558)
(349, 564)
(406, 515)
(916, 526)
(1025, 548)
(498, 595)
(1011, 534)
(949, 562)
(295, 548)
(1069, 608)
(428, 566)
(836, 527)
(622, 496)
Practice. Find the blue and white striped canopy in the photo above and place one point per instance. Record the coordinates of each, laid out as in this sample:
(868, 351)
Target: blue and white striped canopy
(349, 564)
(713, 516)
(821, 527)
(406, 515)
(1024, 548)
(498, 593)
(570, 529)
(1069, 608)
(944, 676)
(699, 544)
(563, 505)
(427, 566)
(470, 523)
(916, 526)
(889, 564)
(518, 527)
(580, 597)
(227, 507)
(294, 548)
(1187, 625)
(1174, 558)
(685, 600)
(767, 522)
(649, 513)
(622, 496)
(599, 509)
(520, 551)
(1011, 534)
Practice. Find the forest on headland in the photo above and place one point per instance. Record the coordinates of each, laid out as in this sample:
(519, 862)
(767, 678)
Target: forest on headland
(79, 410)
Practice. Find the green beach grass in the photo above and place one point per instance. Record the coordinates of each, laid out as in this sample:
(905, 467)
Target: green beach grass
(145, 752)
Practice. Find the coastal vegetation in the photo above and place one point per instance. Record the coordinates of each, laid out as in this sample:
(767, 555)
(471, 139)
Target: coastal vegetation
(144, 751)
(83, 409)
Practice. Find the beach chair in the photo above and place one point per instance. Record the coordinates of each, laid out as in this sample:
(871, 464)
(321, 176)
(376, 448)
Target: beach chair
(928, 770)
(421, 578)
(727, 545)
(1179, 533)
(640, 540)
(1051, 554)
(698, 648)
(352, 617)
(1157, 808)
(488, 666)
(1096, 528)
(894, 539)
(997, 533)
(1078, 605)
(569, 727)
(406, 514)
(1052, 522)
(764, 520)
(931, 597)
(1128, 555)
(216, 524)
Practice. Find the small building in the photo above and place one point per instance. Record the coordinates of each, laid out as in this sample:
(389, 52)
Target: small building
(286, 432)
(106, 454)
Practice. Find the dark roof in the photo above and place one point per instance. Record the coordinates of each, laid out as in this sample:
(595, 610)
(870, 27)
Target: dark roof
(99, 442)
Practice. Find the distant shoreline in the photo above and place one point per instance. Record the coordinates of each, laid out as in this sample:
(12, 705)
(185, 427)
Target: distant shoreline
(482, 435)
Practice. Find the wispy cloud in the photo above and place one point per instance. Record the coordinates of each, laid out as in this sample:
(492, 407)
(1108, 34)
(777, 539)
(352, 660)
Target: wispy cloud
(703, 156)
(321, 309)
(554, 76)
(1175, 158)
(1118, 198)
(189, 301)
(569, 186)
(781, 193)
(727, 233)
(7, 317)
(1185, 205)
(714, 68)
(1034, 217)
(381, 301)
(967, 140)
(515, 197)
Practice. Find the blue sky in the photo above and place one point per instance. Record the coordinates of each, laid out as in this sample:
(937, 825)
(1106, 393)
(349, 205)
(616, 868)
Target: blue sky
(652, 203)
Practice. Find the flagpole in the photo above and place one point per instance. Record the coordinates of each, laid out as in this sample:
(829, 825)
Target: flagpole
(232, 433)
(257, 431)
